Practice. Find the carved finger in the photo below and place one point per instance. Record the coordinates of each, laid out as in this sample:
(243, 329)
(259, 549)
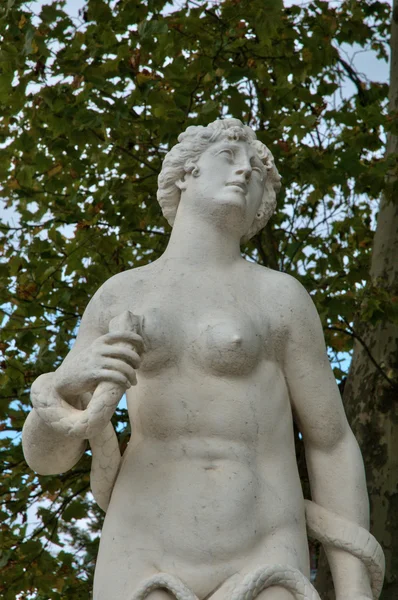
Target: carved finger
(114, 364)
(111, 376)
(128, 337)
(121, 352)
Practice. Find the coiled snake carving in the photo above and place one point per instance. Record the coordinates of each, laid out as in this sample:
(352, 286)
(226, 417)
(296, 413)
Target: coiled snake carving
(94, 424)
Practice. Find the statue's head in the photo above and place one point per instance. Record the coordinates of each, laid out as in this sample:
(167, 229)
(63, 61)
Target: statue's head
(183, 158)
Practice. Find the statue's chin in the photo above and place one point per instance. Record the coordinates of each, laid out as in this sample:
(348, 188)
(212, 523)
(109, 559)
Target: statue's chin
(231, 199)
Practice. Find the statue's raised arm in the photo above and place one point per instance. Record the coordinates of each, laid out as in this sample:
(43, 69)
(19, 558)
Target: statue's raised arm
(207, 501)
(76, 402)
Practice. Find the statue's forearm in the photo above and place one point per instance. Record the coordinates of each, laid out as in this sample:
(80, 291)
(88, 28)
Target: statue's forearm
(46, 451)
(350, 576)
(338, 484)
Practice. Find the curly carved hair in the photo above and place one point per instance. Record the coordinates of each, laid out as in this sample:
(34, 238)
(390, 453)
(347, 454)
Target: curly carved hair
(182, 159)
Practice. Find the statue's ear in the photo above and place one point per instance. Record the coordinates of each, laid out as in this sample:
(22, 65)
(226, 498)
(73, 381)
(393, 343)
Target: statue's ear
(181, 184)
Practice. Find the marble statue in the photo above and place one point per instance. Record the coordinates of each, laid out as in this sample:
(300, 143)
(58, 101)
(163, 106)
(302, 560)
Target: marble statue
(216, 356)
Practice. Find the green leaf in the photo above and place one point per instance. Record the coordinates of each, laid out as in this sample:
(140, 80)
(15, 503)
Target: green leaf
(76, 510)
(29, 37)
(209, 107)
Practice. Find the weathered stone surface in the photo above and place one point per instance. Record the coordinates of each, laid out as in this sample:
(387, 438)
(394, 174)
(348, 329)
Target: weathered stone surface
(223, 352)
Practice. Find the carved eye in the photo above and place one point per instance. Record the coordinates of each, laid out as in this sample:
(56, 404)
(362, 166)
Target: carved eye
(228, 152)
(259, 172)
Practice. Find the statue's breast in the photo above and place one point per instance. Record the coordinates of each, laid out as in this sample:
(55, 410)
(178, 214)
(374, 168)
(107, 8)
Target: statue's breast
(223, 342)
(228, 343)
(162, 337)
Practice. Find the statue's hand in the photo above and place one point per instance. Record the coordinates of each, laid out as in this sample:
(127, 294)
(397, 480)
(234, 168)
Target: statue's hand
(113, 357)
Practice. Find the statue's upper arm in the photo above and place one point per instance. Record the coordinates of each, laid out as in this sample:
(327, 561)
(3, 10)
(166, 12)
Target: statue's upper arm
(91, 325)
(314, 394)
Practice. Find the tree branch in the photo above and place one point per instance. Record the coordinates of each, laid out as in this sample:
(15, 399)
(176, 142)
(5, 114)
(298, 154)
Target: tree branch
(353, 334)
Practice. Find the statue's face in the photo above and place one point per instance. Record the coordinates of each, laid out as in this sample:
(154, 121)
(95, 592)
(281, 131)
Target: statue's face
(230, 183)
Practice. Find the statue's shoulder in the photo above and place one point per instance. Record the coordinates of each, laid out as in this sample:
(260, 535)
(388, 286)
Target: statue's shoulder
(118, 293)
(282, 291)
(277, 282)
(125, 281)
(287, 285)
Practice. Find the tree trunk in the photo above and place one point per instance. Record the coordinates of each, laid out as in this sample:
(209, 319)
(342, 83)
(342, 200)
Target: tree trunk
(371, 390)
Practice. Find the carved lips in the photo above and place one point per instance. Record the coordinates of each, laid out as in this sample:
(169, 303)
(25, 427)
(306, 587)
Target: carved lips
(239, 184)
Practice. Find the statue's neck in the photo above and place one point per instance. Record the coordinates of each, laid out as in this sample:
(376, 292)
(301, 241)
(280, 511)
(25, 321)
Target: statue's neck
(197, 242)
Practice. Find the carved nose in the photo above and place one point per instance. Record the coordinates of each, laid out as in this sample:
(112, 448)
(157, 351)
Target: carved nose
(245, 171)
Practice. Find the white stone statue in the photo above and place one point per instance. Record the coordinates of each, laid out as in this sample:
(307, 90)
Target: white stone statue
(206, 501)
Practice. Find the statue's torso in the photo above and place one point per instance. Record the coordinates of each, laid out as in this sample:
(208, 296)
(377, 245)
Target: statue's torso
(209, 479)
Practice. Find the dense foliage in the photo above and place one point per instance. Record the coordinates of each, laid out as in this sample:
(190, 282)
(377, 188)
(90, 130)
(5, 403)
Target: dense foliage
(88, 108)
